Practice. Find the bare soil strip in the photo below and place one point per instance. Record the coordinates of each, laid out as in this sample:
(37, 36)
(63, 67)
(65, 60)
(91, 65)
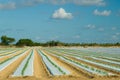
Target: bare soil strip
(73, 69)
(12, 67)
(107, 78)
(40, 69)
(51, 78)
(60, 78)
(24, 78)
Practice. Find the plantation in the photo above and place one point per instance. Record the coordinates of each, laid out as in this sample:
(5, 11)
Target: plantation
(60, 63)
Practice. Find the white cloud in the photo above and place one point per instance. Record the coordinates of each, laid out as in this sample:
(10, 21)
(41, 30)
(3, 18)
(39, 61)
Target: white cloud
(78, 2)
(102, 13)
(90, 26)
(37, 38)
(61, 14)
(21, 3)
(57, 1)
(114, 28)
(77, 37)
(90, 2)
(31, 2)
(117, 33)
(101, 29)
(54, 37)
(114, 37)
(118, 13)
(10, 5)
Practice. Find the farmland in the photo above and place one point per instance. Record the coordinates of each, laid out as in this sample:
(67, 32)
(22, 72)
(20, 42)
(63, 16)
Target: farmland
(60, 63)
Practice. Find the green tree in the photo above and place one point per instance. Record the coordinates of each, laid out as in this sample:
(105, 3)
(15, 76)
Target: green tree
(6, 40)
(53, 43)
(25, 42)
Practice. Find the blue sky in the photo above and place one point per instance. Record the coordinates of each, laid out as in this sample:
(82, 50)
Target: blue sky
(63, 20)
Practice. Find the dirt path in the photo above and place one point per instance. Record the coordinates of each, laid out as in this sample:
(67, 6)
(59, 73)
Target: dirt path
(39, 67)
(74, 70)
(12, 67)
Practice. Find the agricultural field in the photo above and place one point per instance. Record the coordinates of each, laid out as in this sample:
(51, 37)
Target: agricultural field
(60, 63)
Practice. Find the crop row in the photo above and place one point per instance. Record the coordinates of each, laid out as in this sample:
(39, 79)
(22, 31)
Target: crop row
(10, 60)
(26, 67)
(93, 70)
(99, 60)
(53, 68)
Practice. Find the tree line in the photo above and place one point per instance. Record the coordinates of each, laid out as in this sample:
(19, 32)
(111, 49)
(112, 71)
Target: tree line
(5, 40)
